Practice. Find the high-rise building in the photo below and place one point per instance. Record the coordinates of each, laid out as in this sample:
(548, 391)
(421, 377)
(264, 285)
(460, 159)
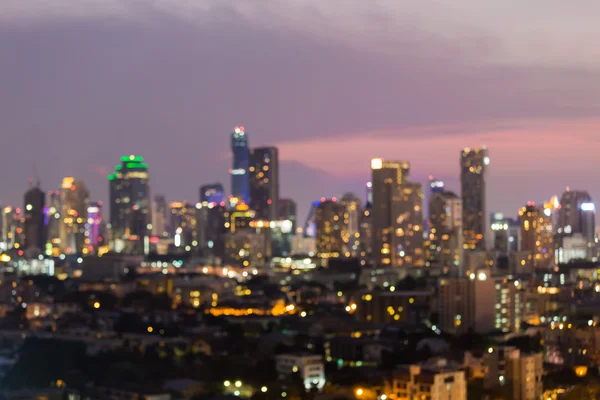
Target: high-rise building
(74, 200)
(34, 226)
(159, 217)
(397, 215)
(473, 180)
(213, 224)
(577, 215)
(537, 236)
(287, 212)
(184, 225)
(212, 193)
(130, 209)
(264, 182)
(94, 212)
(445, 226)
(53, 224)
(366, 234)
(387, 177)
(8, 227)
(240, 178)
(310, 226)
(506, 233)
(331, 229)
(352, 219)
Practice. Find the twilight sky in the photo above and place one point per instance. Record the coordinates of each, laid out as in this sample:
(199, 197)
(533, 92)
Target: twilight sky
(332, 83)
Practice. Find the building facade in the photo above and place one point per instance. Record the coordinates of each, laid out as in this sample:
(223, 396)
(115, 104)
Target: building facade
(264, 182)
(473, 181)
(240, 178)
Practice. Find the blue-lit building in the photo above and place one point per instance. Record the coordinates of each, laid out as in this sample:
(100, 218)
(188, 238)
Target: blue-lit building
(240, 179)
(212, 193)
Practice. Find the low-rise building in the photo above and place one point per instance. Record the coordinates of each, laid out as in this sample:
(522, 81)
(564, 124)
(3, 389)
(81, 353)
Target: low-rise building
(309, 366)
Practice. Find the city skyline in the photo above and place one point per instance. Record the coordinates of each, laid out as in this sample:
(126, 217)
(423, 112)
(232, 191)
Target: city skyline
(398, 105)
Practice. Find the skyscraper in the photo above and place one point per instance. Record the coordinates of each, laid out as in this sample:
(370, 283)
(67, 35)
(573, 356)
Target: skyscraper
(396, 215)
(94, 227)
(9, 227)
(331, 229)
(159, 217)
(264, 182)
(184, 224)
(212, 193)
(577, 216)
(240, 182)
(473, 172)
(537, 237)
(287, 212)
(352, 219)
(74, 200)
(445, 230)
(130, 213)
(53, 223)
(35, 230)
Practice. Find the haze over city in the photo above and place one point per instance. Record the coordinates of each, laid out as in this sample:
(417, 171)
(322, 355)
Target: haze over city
(331, 84)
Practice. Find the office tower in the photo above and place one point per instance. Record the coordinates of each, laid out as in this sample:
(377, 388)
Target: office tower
(94, 227)
(445, 230)
(34, 227)
(352, 217)
(473, 181)
(537, 237)
(287, 211)
(212, 193)
(264, 182)
(240, 180)
(74, 200)
(397, 216)
(159, 217)
(130, 213)
(506, 233)
(331, 229)
(577, 217)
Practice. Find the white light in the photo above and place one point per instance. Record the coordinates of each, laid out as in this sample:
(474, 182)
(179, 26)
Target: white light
(588, 207)
(377, 163)
(80, 260)
(486, 160)
(547, 212)
(286, 226)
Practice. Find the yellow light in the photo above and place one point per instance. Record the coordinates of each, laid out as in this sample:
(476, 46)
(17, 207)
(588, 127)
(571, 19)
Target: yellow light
(227, 383)
(97, 304)
(4, 258)
(238, 384)
(359, 392)
(376, 163)
(150, 329)
(263, 389)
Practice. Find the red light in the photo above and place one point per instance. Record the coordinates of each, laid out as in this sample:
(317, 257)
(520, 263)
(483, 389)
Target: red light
(20, 252)
(242, 128)
(90, 248)
(322, 199)
(75, 213)
(154, 239)
(222, 204)
(18, 210)
(269, 201)
(333, 199)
